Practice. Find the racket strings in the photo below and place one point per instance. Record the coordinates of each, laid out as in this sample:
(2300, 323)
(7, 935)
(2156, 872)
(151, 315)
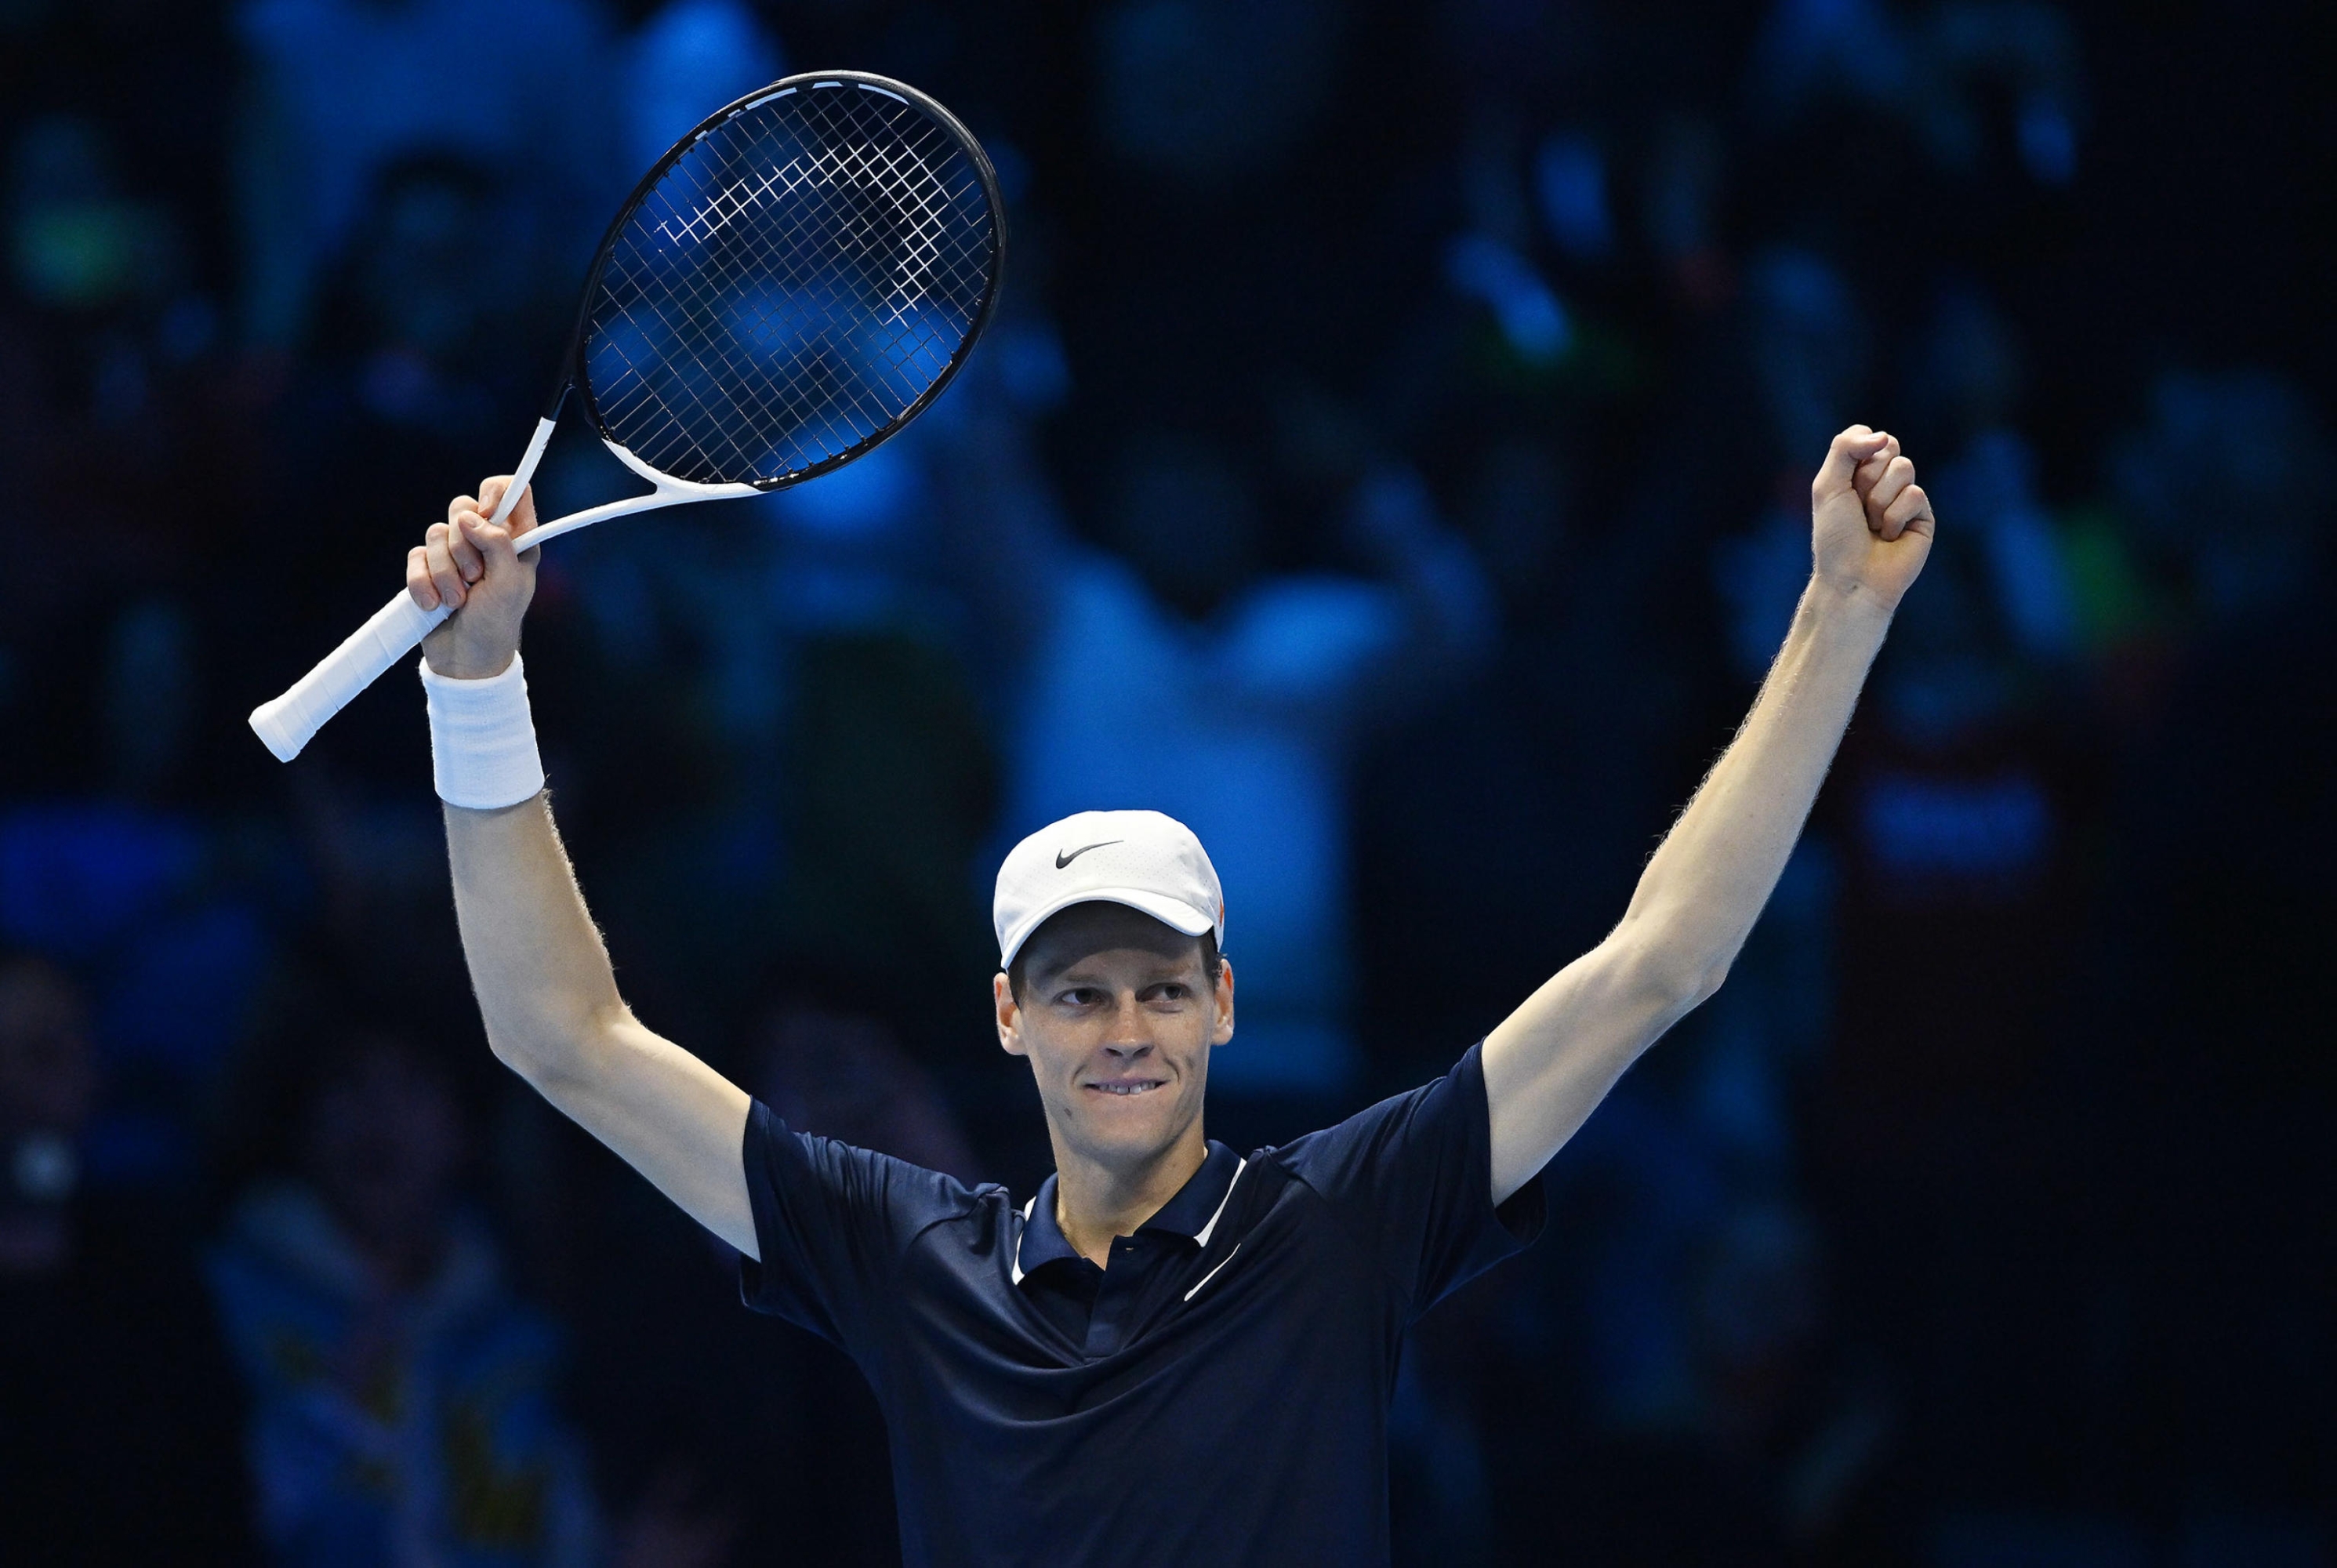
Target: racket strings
(790, 289)
(726, 204)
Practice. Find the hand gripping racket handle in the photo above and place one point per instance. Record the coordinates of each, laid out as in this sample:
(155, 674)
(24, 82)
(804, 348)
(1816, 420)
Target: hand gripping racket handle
(286, 723)
(291, 722)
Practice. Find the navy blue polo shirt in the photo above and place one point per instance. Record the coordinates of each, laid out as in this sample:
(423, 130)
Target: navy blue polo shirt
(1094, 1309)
(1224, 1401)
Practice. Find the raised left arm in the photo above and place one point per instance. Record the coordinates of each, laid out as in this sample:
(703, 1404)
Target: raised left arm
(1549, 1063)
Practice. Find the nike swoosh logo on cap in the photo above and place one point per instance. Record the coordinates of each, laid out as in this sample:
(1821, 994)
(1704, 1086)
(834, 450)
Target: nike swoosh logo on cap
(1062, 859)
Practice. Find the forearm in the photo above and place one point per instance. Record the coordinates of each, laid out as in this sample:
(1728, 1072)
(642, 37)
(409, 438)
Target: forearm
(1548, 1063)
(543, 978)
(1705, 887)
(550, 1000)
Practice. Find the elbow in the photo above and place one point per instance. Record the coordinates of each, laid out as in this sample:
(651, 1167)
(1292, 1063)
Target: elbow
(1673, 982)
(549, 1053)
(1682, 989)
(526, 1058)
(1703, 982)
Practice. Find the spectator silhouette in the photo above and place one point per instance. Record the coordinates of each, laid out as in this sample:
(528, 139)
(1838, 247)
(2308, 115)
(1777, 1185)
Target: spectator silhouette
(402, 1397)
(342, 88)
(118, 1408)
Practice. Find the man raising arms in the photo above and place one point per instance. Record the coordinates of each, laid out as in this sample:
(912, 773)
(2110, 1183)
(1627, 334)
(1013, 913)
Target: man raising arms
(1170, 1353)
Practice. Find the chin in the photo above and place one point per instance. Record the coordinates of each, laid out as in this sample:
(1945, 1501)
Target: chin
(1138, 1126)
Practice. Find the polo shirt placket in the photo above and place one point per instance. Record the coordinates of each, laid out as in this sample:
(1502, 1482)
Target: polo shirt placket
(1098, 1310)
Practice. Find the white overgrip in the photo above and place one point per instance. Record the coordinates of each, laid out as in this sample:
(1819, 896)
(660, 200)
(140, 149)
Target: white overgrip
(286, 723)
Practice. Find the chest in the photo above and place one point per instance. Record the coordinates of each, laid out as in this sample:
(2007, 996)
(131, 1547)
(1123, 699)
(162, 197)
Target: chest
(1269, 1311)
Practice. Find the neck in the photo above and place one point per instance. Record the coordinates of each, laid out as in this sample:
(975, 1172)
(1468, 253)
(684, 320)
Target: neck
(1095, 1201)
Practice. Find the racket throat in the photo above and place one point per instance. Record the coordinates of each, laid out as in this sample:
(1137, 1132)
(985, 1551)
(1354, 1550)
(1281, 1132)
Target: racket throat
(668, 492)
(526, 469)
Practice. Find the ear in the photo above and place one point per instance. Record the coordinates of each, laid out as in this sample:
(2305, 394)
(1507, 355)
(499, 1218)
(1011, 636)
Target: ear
(1010, 1015)
(1224, 1031)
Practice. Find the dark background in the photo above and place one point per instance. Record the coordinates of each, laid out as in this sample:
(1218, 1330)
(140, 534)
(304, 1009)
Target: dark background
(1984, 1217)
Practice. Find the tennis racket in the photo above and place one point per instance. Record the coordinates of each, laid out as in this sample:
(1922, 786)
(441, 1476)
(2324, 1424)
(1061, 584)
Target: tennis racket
(791, 285)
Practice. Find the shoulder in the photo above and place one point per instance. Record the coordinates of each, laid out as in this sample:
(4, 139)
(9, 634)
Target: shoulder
(1410, 1178)
(1411, 1153)
(1378, 1129)
(789, 1167)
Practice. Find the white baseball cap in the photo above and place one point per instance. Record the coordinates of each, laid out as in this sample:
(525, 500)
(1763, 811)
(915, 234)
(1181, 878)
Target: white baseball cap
(1139, 858)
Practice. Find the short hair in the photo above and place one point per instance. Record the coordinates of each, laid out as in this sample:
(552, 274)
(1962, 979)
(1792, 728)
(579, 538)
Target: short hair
(1212, 961)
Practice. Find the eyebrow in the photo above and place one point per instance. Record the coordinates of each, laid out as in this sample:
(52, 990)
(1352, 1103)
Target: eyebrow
(1184, 969)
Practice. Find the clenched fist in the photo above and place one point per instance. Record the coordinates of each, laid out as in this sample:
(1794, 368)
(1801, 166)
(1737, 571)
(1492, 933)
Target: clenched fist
(1871, 522)
(471, 564)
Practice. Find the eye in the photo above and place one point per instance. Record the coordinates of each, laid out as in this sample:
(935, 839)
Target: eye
(1079, 996)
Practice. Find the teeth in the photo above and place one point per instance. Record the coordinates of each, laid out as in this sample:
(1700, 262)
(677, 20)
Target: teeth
(1126, 1088)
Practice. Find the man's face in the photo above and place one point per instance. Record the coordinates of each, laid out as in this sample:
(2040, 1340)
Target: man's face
(1117, 1020)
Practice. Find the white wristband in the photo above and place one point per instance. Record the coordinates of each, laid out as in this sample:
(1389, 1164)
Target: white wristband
(482, 740)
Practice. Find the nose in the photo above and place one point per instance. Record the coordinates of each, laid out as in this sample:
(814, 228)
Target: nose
(1130, 1037)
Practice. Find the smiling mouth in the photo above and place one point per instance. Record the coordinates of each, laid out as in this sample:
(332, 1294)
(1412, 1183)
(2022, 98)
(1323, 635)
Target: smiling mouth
(1141, 1086)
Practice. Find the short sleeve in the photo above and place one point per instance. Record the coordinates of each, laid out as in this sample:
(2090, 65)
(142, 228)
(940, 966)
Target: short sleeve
(832, 1222)
(1414, 1176)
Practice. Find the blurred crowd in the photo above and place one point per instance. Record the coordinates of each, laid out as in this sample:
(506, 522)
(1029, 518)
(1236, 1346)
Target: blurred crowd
(1390, 458)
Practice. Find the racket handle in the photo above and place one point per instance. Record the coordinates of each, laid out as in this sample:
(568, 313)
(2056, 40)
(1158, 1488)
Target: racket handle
(289, 723)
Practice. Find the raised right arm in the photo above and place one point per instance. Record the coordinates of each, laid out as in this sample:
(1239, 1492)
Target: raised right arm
(543, 978)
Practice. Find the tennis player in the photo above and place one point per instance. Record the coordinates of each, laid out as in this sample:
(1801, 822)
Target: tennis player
(1171, 1353)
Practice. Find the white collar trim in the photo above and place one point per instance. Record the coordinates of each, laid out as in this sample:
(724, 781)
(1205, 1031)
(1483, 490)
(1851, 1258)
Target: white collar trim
(1027, 1207)
(1201, 1237)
